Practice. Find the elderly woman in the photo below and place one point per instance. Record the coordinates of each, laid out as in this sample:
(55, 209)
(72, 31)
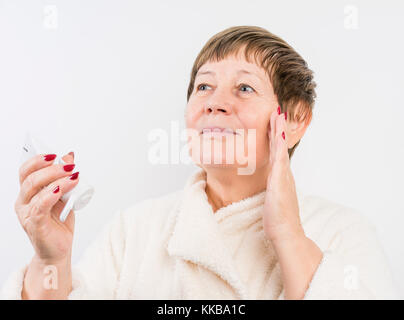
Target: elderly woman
(229, 234)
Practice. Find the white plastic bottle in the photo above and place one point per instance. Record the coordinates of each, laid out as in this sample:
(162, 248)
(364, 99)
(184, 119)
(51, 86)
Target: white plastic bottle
(75, 199)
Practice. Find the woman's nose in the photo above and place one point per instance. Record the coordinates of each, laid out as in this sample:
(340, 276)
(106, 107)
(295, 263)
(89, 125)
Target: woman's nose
(220, 101)
(217, 109)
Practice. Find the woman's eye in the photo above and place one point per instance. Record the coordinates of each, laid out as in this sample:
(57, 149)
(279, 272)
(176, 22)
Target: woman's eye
(246, 86)
(199, 87)
(202, 85)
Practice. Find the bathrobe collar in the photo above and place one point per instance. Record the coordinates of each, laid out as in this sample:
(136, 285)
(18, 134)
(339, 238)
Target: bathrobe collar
(196, 235)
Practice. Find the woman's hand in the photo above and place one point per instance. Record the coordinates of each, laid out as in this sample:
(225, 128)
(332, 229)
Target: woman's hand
(281, 210)
(38, 207)
(298, 255)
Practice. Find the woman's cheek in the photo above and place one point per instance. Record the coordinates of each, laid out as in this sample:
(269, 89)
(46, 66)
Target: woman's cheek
(192, 115)
(261, 150)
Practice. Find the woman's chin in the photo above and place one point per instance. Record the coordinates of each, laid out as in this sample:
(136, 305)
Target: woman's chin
(218, 161)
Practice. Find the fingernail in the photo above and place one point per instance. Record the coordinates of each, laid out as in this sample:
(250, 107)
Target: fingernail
(74, 176)
(286, 117)
(49, 157)
(69, 167)
(279, 110)
(283, 135)
(56, 190)
(71, 153)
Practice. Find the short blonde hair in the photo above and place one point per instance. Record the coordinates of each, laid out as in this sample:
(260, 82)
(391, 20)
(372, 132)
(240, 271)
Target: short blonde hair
(291, 79)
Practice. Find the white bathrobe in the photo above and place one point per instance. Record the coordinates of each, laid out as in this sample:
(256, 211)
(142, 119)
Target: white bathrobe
(175, 247)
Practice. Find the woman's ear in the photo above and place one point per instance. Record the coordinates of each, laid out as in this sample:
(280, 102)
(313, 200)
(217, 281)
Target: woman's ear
(296, 126)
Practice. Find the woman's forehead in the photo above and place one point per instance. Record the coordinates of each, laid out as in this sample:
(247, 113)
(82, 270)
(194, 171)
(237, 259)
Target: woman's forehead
(234, 64)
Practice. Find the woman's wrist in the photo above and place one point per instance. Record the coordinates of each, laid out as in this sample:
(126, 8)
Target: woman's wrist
(46, 279)
(61, 262)
(285, 234)
(298, 258)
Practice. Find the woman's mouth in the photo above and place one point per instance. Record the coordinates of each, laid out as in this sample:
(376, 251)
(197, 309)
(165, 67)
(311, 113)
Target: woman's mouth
(218, 131)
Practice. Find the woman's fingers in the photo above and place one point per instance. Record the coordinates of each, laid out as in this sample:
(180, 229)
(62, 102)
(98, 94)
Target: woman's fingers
(272, 133)
(68, 158)
(39, 161)
(278, 146)
(274, 115)
(43, 201)
(280, 137)
(39, 178)
(33, 164)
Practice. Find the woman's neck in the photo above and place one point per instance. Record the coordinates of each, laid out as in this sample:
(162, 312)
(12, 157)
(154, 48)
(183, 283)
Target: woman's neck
(224, 186)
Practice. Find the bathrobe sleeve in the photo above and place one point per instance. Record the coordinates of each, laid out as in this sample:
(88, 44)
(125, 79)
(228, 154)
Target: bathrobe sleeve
(353, 266)
(96, 274)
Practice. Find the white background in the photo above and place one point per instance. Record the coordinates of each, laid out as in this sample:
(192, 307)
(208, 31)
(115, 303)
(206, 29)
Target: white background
(99, 76)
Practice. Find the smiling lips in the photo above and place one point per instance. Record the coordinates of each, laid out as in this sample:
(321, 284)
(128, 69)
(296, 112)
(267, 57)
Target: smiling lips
(218, 130)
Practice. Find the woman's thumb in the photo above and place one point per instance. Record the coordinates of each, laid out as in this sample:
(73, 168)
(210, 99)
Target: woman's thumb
(69, 158)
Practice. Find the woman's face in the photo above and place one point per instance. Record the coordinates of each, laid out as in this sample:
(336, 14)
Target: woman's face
(236, 95)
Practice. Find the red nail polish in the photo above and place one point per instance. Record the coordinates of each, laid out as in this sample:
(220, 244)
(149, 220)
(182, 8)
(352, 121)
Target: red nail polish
(74, 176)
(279, 110)
(71, 153)
(286, 117)
(283, 135)
(56, 190)
(69, 167)
(49, 157)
